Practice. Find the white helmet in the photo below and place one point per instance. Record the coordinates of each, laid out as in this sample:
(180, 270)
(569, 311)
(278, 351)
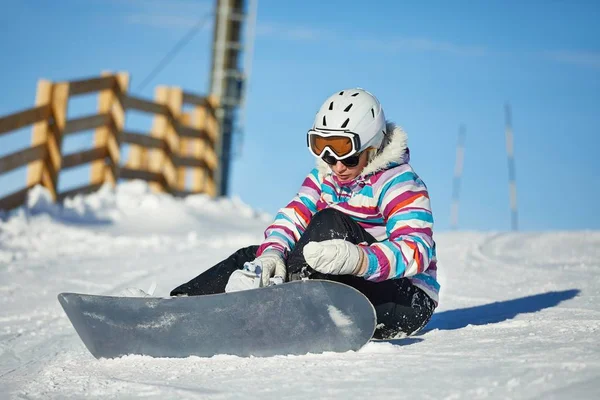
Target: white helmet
(353, 111)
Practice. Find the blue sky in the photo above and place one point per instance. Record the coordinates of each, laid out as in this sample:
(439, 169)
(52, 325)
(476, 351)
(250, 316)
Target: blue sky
(433, 64)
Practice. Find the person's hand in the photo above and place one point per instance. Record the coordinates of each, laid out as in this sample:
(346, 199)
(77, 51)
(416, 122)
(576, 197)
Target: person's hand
(257, 273)
(272, 265)
(336, 257)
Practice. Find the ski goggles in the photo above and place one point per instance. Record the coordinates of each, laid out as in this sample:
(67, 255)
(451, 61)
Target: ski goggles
(351, 161)
(339, 144)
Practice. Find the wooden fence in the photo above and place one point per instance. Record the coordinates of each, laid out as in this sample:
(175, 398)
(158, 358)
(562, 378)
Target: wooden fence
(179, 143)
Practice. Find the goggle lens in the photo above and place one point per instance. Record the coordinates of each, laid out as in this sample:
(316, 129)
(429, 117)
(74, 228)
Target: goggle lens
(340, 145)
(351, 161)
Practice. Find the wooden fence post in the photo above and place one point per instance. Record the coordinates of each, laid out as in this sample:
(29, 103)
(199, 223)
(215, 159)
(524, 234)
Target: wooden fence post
(46, 171)
(157, 157)
(118, 116)
(138, 157)
(165, 127)
(212, 129)
(198, 149)
(175, 104)
(37, 171)
(59, 105)
(184, 150)
(108, 136)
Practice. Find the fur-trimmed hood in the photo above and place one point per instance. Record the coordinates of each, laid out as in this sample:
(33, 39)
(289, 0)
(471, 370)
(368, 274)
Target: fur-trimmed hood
(394, 151)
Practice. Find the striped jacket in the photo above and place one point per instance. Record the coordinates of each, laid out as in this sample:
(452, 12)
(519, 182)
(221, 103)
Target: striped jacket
(388, 200)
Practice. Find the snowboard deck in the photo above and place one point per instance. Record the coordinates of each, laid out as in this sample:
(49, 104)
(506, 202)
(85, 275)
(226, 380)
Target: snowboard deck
(310, 316)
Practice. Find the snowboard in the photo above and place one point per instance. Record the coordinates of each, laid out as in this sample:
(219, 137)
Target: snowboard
(300, 317)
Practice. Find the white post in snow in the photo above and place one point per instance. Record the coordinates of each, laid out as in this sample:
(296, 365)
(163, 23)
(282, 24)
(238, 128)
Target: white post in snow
(458, 168)
(512, 185)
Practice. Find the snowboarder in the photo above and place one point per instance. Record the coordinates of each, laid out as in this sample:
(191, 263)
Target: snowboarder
(361, 217)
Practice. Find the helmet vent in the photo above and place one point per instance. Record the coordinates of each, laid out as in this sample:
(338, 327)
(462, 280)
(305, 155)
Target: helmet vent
(331, 105)
(355, 94)
(345, 124)
(373, 112)
(342, 93)
(348, 108)
(324, 121)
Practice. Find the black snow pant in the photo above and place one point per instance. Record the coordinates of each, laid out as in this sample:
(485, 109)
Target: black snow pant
(401, 307)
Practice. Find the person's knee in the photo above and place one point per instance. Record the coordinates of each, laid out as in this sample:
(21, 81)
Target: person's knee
(327, 215)
(404, 313)
(327, 224)
(394, 321)
(246, 253)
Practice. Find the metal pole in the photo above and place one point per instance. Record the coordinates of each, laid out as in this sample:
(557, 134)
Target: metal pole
(512, 185)
(227, 80)
(458, 168)
(249, 36)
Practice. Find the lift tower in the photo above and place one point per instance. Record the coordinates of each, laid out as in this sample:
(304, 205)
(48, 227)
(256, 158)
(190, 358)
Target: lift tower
(228, 77)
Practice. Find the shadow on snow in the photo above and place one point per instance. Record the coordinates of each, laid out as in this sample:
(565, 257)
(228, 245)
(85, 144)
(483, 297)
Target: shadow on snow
(496, 312)
(399, 342)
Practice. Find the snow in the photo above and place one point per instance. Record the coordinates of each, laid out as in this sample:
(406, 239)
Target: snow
(519, 314)
(338, 317)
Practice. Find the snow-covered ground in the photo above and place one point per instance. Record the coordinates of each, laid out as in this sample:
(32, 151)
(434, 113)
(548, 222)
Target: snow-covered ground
(519, 314)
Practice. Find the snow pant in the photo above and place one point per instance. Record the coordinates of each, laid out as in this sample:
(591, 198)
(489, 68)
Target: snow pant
(401, 307)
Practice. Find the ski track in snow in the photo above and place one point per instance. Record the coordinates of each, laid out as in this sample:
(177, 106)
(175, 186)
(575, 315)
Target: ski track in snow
(519, 314)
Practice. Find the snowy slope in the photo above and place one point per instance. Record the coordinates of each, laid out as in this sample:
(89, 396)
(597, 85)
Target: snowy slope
(519, 314)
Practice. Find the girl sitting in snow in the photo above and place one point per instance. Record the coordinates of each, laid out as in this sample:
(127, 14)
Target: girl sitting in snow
(362, 217)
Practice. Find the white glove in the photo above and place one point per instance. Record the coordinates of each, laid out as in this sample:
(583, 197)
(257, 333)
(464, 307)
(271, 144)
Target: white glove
(335, 256)
(272, 266)
(258, 273)
(242, 279)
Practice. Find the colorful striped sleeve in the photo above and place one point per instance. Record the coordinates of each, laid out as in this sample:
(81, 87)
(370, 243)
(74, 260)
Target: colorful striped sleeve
(292, 220)
(409, 248)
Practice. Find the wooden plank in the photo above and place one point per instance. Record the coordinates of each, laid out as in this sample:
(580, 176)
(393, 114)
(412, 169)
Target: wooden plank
(109, 136)
(192, 98)
(24, 118)
(143, 140)
(211, 186)
(135, 103)
(118, 110)
(86, 123)
(118, 119)
(200, 101)
(157, 162)
(84, 157)
(37, 172)
(193, 133)
(198, 180)
(213, 128)
(175, 104)
(193, 162)
(183, 151)
(197, 100)
(148, 176)
(92, 85)
(50, 177)
(14, 199)
(211, 158)
(23, 157)
(79, 190)
(59, 104)
(100, 171)
(198, 149)
(213, 104)
(204, 117)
